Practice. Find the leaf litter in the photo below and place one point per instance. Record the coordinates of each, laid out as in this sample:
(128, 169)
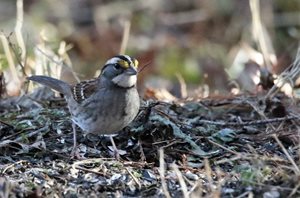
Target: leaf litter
(231, 146)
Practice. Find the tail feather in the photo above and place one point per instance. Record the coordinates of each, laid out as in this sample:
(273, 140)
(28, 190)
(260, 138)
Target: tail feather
(53, 83)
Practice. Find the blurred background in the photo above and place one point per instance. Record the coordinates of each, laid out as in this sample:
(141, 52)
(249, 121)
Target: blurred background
(193, 47)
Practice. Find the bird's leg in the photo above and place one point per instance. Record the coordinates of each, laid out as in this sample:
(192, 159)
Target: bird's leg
(74, 136)
(143, 157)
(116, 152)
(74, 150)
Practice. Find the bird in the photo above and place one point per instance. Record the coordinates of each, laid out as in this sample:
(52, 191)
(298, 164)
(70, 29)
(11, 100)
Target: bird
(103, 105)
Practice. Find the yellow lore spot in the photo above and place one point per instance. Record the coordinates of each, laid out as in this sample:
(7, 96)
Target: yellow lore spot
(136, 63)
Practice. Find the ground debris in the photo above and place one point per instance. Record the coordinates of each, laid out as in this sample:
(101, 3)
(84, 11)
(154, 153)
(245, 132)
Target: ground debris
(231, 146)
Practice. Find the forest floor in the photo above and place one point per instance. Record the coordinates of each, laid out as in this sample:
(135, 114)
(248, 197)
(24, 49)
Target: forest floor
(232, 146)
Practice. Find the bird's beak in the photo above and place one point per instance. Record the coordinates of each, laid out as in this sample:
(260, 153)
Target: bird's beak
(131, 71)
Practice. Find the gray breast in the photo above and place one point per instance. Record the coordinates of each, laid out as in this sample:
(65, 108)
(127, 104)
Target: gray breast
(107, 111)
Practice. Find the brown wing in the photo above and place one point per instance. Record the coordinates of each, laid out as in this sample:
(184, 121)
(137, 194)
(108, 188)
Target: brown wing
(84, 89)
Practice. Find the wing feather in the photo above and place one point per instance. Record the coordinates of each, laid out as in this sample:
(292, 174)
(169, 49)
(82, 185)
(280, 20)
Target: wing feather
(83, 90)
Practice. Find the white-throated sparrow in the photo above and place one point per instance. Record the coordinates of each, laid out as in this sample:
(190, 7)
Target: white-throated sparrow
(103, 105)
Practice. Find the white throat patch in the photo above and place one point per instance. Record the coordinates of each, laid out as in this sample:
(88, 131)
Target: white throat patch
(124, 80)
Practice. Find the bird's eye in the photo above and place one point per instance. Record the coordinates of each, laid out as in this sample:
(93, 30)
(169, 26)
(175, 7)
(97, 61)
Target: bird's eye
(117, 66)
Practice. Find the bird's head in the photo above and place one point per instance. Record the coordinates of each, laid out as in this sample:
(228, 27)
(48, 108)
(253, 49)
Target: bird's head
(121, 70)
